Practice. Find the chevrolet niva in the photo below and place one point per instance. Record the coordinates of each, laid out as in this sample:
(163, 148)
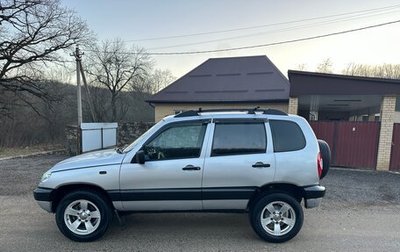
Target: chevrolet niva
(261, 162)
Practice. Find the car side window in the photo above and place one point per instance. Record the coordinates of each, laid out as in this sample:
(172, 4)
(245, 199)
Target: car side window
(239, 139)
(176, 142)
(287, 136)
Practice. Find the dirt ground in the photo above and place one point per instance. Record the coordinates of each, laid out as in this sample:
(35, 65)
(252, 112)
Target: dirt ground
(21, 175)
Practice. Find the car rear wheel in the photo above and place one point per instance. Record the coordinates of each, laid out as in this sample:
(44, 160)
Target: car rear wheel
(83, 216)
(276, 217)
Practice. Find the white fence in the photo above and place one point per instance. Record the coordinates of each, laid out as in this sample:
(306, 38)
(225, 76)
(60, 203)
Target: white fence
(96, 136)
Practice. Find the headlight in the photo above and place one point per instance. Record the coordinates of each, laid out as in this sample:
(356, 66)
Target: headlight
(45, 176)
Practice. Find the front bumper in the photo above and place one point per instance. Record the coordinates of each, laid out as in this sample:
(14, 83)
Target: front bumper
(313, 195)
(43, 197)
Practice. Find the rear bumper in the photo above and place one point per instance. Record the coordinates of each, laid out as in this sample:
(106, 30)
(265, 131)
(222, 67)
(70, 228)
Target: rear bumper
(43, 197)
(313, 195)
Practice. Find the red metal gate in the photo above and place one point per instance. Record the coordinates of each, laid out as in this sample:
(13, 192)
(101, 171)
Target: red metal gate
(353, 144)
(395, 154)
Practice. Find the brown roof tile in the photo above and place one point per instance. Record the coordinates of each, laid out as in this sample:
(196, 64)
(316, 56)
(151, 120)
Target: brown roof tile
(235, 79)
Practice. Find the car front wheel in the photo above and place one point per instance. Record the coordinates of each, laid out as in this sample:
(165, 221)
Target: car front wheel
(83, 216)
(276, 217)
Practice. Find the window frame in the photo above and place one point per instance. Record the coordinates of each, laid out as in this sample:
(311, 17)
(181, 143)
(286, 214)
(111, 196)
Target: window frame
(168, 126)
(243, 121)
(272, 135)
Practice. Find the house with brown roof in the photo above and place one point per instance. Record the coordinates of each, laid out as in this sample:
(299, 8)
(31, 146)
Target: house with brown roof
(235, 82)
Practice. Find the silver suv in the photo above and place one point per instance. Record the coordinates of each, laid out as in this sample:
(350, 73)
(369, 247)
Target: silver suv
(263, 162)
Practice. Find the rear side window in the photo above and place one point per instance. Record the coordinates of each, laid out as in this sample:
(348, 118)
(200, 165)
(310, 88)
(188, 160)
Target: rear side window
(239, 139)
(287, 136)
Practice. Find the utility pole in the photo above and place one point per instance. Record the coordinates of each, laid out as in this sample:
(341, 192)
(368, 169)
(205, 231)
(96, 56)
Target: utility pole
(78, 56)
(89, 96)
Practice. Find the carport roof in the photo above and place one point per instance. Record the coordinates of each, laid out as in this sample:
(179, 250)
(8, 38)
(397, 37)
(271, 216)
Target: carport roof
(311, 83)
(228, 80)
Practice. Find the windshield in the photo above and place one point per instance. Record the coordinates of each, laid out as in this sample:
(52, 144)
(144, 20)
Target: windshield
(132, 145)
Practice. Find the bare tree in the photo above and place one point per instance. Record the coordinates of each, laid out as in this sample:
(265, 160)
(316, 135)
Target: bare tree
(301, 67)
(32, 32)
(114, 66)
(384, 71)
(153, 82)
(325, 66)
(161, 79)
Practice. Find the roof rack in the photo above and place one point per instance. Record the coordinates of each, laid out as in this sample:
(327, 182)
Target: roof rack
(249, 111)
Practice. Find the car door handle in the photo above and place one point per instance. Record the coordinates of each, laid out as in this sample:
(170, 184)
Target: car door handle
(191, 168)
(260, 165)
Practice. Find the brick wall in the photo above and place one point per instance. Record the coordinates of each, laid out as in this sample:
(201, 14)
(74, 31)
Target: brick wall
(72, 141)
(129, 132)
(385, 136)
(293, 105)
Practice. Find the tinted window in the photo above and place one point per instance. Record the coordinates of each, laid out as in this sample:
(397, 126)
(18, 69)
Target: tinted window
(239, 139)
(181, 141)
(287, 136)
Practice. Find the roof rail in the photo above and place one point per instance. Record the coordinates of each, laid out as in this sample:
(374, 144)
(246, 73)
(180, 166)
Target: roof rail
(274, 112)
(187, 113)
(249, 111)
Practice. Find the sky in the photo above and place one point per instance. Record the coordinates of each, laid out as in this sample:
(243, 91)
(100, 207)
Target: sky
(188, 25)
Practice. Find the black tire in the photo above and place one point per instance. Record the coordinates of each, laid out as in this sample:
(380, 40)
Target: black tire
(294, 215)
(96, 205)
(326, 157)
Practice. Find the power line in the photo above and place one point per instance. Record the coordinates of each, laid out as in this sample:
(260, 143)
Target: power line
(275, 43)
(332, 21)
(265, 25)
(263, 45)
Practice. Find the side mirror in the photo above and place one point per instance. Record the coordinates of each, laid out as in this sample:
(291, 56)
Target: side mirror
(140, 158)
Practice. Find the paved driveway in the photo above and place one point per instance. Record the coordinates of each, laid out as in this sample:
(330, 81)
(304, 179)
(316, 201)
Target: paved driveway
(359, 213)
